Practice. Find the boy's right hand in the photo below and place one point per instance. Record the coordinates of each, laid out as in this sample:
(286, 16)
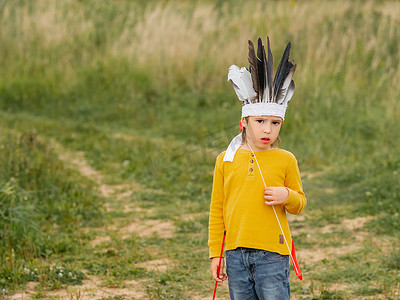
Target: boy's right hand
(214, 269)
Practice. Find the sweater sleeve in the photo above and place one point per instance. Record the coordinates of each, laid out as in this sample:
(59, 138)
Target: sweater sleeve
(216, 222)
(296, 201)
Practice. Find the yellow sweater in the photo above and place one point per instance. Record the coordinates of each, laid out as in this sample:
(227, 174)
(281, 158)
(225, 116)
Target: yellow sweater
(237, 201)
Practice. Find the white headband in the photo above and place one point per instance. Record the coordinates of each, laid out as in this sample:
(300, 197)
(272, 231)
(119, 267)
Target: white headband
(264, 109)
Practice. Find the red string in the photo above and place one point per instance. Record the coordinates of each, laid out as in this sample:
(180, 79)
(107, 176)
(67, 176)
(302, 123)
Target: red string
(219, 265)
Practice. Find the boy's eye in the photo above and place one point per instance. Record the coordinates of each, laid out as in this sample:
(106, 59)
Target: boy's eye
(276, 123)
(260, 121)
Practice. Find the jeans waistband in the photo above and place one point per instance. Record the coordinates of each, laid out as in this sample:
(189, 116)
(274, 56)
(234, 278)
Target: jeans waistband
(244, 249)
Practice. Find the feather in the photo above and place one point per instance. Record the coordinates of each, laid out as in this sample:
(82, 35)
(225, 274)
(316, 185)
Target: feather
(281, 93)
(242, 83)
(283, 70)
(289, 93)
(262, 69)
(270, 72)
(254, 68)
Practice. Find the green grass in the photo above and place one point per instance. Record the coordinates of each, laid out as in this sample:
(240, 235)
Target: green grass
(139, 87)
(42, 206)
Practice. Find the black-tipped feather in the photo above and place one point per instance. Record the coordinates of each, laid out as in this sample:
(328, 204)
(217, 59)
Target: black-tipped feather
(283, 70)
(262, 68)
(270, 72)
(254, 68)
(286, 83)
(290, 92)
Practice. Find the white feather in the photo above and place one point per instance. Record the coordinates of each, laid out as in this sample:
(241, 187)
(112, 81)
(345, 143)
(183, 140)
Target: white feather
(285, 86)
(289, 93)
(242, 83)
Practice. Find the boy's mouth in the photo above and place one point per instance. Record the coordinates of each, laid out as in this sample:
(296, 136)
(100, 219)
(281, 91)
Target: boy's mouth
(265, 140)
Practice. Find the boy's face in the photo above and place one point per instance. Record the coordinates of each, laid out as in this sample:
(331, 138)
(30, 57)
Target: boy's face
(262, 131)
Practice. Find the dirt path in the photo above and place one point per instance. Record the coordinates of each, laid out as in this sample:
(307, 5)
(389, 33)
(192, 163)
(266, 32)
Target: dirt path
(93, 287)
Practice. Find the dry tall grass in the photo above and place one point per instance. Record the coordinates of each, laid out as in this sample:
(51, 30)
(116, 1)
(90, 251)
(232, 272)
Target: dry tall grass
(199, 42)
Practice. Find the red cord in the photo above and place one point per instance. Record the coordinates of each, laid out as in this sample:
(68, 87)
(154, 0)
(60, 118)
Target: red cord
(296, 266)
(219, 264)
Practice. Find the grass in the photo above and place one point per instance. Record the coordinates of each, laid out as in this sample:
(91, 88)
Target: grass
(42, 206)
(140, 89)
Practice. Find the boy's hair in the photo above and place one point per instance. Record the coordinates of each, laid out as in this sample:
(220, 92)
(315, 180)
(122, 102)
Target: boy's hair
(244, 135)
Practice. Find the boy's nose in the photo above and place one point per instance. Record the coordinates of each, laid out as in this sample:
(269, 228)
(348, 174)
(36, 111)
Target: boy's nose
(267, 129)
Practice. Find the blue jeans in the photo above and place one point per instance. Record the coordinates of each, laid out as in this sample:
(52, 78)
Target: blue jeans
(257, 274)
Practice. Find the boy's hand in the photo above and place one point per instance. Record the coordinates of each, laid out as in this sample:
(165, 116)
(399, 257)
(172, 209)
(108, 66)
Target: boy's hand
(214, 268)
(275, 195)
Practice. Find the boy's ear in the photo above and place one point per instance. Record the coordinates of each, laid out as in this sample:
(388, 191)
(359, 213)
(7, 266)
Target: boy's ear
(243, 122)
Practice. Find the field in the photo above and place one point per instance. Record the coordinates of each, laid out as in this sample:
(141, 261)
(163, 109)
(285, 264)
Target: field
(112, 114)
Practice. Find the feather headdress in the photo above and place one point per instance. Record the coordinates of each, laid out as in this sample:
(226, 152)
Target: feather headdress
(260, 93)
